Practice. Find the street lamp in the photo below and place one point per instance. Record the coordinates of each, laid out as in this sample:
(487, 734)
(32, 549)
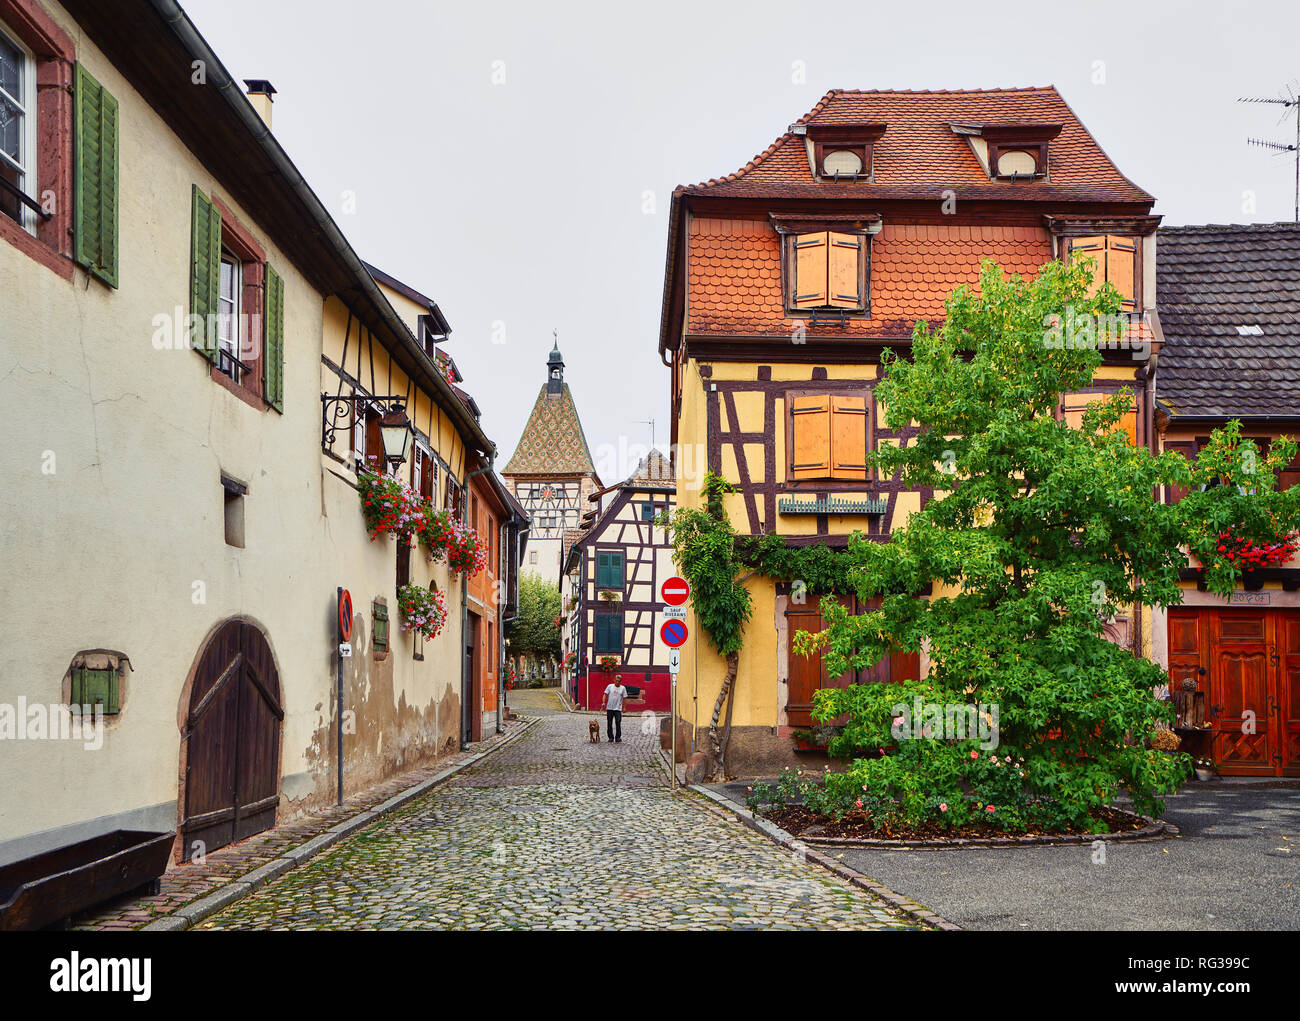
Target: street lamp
(395, 428)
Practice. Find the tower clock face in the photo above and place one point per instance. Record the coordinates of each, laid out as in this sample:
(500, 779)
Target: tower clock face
(553, 507)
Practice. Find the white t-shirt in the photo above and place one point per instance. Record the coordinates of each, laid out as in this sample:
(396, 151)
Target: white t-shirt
(615, 694)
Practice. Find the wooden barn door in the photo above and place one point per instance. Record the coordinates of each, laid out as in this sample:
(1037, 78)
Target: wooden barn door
(232, 736)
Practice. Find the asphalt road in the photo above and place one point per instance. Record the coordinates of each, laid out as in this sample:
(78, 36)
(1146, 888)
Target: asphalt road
(1236, 865)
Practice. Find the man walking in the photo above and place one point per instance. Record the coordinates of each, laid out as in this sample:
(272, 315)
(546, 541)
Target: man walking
(612, 701)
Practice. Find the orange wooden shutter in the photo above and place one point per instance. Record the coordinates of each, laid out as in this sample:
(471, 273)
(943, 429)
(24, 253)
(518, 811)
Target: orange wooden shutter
(848, 438)
(811, 422)
(1121, 269)
(1092, 248)
(809, 271)
(844, 277)
(1129, 422)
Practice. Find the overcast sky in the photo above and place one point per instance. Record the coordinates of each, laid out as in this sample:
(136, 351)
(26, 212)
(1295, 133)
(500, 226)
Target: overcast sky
(515, 161)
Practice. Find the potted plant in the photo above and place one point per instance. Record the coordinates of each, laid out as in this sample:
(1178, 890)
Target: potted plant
(609, 663)
(1204, 767)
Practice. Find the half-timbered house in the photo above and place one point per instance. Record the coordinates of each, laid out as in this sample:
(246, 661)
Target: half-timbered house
(786, 279)
(610, 591)
(1230, 309)
(551, 472)
(204, 365)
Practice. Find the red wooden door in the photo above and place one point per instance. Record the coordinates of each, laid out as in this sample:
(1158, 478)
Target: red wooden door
(805, 674)
(1288, 693)
(1239, 687)
(232, 736)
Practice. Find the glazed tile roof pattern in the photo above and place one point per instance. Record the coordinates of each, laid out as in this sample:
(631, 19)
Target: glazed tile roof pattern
(919, 155)
(552, 442)
(1209, 281)
(734, 271)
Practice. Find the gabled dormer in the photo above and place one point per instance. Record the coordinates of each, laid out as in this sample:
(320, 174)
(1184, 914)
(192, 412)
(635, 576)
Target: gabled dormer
(1010, 152)
(840, 152)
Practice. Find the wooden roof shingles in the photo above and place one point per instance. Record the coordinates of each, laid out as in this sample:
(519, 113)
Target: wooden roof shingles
(1211, 280)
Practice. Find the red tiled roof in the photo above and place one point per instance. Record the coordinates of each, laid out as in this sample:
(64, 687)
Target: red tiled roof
(735, 273)
(919, 155)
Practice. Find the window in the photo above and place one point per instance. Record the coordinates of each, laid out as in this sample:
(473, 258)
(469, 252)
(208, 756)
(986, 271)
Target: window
(647, 512)
(424, 473)
(234, 510)
(403, 562)
(532, 557)
(379, 626)
(1115, 259)
(452, 501)
(236, 306)
(829, 435)
(609, 633)
(842, 152)
(228, 317)
(827, 270)
(1073, 407)
(609, 569)
(17, 131)
(95, 687)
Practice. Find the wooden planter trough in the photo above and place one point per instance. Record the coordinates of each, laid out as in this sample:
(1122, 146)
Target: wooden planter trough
(48, 889)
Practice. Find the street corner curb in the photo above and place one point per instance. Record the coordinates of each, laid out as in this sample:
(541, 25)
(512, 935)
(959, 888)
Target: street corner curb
(906, 905)
(188, 915)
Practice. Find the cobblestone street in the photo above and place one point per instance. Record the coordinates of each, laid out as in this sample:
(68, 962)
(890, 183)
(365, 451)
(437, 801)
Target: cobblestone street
(554, 832)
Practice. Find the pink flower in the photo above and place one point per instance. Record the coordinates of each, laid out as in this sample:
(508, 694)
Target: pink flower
(858, 802)
(943, 806)
(993, 758)
(974, 754)
(989, 808)
(898, 721)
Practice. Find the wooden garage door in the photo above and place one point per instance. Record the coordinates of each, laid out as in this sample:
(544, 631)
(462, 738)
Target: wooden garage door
(805, 674)
(1247, 661)
(232, 741)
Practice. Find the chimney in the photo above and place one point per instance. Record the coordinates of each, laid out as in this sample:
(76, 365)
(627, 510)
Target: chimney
(261, 94)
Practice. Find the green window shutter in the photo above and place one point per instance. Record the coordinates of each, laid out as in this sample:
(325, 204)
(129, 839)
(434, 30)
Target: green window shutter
(602, 570)
(205, 275)
(380, 627)
(95, 687)
(273, 346)
(616, 570)
(609, 634)
(94, 177)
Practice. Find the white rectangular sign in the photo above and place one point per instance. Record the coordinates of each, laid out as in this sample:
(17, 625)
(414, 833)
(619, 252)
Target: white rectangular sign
(345, 650)
(674, 613)
(674, 660)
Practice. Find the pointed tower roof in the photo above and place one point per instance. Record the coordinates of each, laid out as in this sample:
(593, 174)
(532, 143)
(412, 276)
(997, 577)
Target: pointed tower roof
(552, 442)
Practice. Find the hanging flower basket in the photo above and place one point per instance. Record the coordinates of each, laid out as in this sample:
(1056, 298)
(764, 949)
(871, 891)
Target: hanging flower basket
(389, 506)
(465, 552)
(433, 530)
(1248, 554)
(422, 609)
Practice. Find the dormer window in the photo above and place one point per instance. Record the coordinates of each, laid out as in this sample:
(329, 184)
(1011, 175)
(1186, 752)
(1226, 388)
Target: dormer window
(842, 152)
(827, 270)
(1010, 152)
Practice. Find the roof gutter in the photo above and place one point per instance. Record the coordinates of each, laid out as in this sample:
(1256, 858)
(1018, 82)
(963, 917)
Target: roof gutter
(181, 26)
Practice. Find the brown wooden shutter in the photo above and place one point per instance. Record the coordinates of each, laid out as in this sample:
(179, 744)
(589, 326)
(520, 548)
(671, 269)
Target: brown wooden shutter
(1121, 269)
(845, 273)
(811, 421)
(848, 438)
(1188, 449)
(809, 271)
(1092, 248)
(375, 460)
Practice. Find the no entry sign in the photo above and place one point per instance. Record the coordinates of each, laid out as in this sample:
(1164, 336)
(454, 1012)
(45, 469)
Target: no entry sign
(674, 633)
(675, 591)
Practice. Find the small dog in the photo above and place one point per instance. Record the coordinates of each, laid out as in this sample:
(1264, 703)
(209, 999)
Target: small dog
(593, 732)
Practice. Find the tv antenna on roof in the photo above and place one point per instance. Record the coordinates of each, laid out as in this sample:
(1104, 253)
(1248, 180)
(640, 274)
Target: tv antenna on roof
(1291, 102)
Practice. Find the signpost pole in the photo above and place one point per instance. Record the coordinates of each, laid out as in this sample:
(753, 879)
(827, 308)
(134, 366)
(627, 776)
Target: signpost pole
(338, 624)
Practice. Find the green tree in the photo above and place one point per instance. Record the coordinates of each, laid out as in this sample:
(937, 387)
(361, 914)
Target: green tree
(534, 632)
(1038, 534)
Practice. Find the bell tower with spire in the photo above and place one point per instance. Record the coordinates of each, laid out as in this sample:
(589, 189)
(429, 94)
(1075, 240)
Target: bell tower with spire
(551, 472)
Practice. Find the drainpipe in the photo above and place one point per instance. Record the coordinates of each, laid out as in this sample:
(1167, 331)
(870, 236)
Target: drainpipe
(464, 605)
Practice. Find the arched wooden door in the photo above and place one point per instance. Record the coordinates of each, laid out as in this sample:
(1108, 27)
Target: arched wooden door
(232, 741)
